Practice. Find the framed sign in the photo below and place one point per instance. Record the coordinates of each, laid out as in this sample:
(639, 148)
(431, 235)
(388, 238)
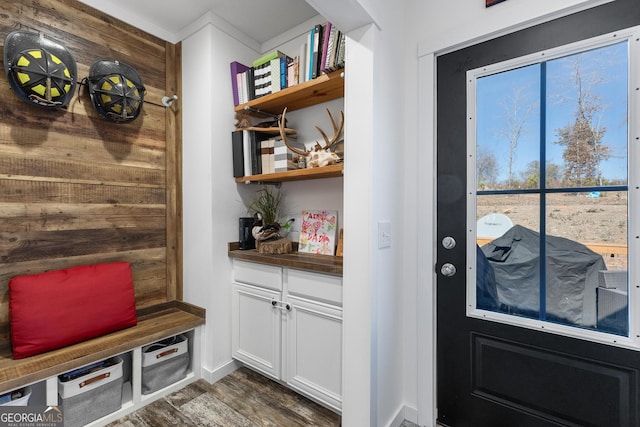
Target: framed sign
(318, 232)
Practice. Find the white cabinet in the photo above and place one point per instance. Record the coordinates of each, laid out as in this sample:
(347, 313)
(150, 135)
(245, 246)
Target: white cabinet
(314, 350)
(287, 324)
(256, 328)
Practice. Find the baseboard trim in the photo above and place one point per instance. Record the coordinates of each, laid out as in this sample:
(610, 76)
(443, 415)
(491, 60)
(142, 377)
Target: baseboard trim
(212, 376)
(404, 413)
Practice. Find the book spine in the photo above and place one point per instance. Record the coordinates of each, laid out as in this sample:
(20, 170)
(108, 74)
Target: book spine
(244, 86)
(326, 33)
(302, 62)
(262, 80)
(240, 86)
(285, 165)
(284, 67)
(292, 72)
(251, 90)
(274, 75)
(238, 156)
(234, 87)
(256, 163)
(246, 152)
(317, 37)
(309, 61)
(328, 61)
(271, 156)
(264, 156)
(283, 158)
(341, 51)
(236, 68)
(334, 50)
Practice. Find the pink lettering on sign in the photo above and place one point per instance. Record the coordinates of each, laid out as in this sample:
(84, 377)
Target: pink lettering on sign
(318, 232)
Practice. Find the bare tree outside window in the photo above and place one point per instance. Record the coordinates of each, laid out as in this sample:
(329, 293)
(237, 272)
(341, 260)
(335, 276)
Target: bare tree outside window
(487, 169)
(517, 109)
(584, 149)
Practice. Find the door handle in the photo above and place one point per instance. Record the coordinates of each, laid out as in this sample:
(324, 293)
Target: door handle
(448, 242)
(448, 269)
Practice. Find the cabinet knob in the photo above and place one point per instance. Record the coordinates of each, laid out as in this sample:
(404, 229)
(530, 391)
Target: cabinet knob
(288, 307)
(274, 302)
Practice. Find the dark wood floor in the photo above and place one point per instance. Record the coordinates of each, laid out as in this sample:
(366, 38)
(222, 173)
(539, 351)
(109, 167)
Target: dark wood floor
(242, 398)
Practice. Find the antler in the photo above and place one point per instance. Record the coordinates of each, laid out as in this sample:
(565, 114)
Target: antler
(283, 134)
(336, 132)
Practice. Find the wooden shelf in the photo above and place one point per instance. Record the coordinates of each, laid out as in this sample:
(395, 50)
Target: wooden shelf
(332, 171)
(321, 89)
(271, 130)
(326, 264)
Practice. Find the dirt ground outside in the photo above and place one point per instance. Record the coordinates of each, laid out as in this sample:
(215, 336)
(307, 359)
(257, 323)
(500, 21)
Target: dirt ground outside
(592, 221)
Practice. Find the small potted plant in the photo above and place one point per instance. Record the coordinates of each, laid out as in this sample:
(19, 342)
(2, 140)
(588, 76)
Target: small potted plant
(266, 208)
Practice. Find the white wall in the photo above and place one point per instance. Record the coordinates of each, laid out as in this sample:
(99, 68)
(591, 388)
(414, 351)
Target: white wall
(211, 205)
(373, 277)
(445, 27)
(357, 295)
(388, 202)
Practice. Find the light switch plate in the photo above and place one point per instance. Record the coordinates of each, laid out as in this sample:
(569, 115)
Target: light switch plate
(384, 234)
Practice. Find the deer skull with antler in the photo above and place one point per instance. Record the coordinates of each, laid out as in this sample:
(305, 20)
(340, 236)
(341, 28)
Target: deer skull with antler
(320, 156)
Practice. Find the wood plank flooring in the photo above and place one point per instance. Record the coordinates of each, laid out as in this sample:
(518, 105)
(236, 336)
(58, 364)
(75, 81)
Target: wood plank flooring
(242, 398)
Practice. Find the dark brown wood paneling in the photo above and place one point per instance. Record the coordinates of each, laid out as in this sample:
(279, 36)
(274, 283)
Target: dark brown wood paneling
(173, 118)
(76, 189)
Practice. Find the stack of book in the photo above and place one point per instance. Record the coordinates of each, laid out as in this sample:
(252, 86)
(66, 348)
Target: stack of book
(322, 52)
(270, 73)
(256, 153)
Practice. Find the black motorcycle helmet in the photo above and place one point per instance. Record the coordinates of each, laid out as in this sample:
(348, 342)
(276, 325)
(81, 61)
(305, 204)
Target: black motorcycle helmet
(40, 70)
(116, 90)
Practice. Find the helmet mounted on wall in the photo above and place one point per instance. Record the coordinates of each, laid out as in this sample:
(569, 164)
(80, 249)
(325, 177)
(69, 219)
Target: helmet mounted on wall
(40, 70)
(116, 90)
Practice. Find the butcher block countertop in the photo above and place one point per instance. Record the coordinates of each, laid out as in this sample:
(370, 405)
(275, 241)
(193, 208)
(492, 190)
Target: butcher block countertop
(317, 263)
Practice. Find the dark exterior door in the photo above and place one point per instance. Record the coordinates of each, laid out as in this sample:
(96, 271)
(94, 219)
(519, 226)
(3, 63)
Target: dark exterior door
(497, 374)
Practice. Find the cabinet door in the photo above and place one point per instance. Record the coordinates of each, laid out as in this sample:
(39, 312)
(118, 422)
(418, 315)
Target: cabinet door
(314, 350)
(256, 328)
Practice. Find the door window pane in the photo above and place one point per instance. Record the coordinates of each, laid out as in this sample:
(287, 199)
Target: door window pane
(586, 118)
(551, 190)
(508, 142)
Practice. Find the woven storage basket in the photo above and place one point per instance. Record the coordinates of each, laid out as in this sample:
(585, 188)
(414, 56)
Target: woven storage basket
(24, 392)
(164, 363)
(91, 396)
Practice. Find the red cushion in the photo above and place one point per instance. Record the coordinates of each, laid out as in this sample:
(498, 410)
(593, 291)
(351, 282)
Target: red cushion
(62, 307)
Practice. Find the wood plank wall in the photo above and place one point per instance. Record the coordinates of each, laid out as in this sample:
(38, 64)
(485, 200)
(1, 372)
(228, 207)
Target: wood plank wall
(76, 189)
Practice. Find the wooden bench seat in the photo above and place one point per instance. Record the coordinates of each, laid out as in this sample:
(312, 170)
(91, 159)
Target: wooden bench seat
(154, 323)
